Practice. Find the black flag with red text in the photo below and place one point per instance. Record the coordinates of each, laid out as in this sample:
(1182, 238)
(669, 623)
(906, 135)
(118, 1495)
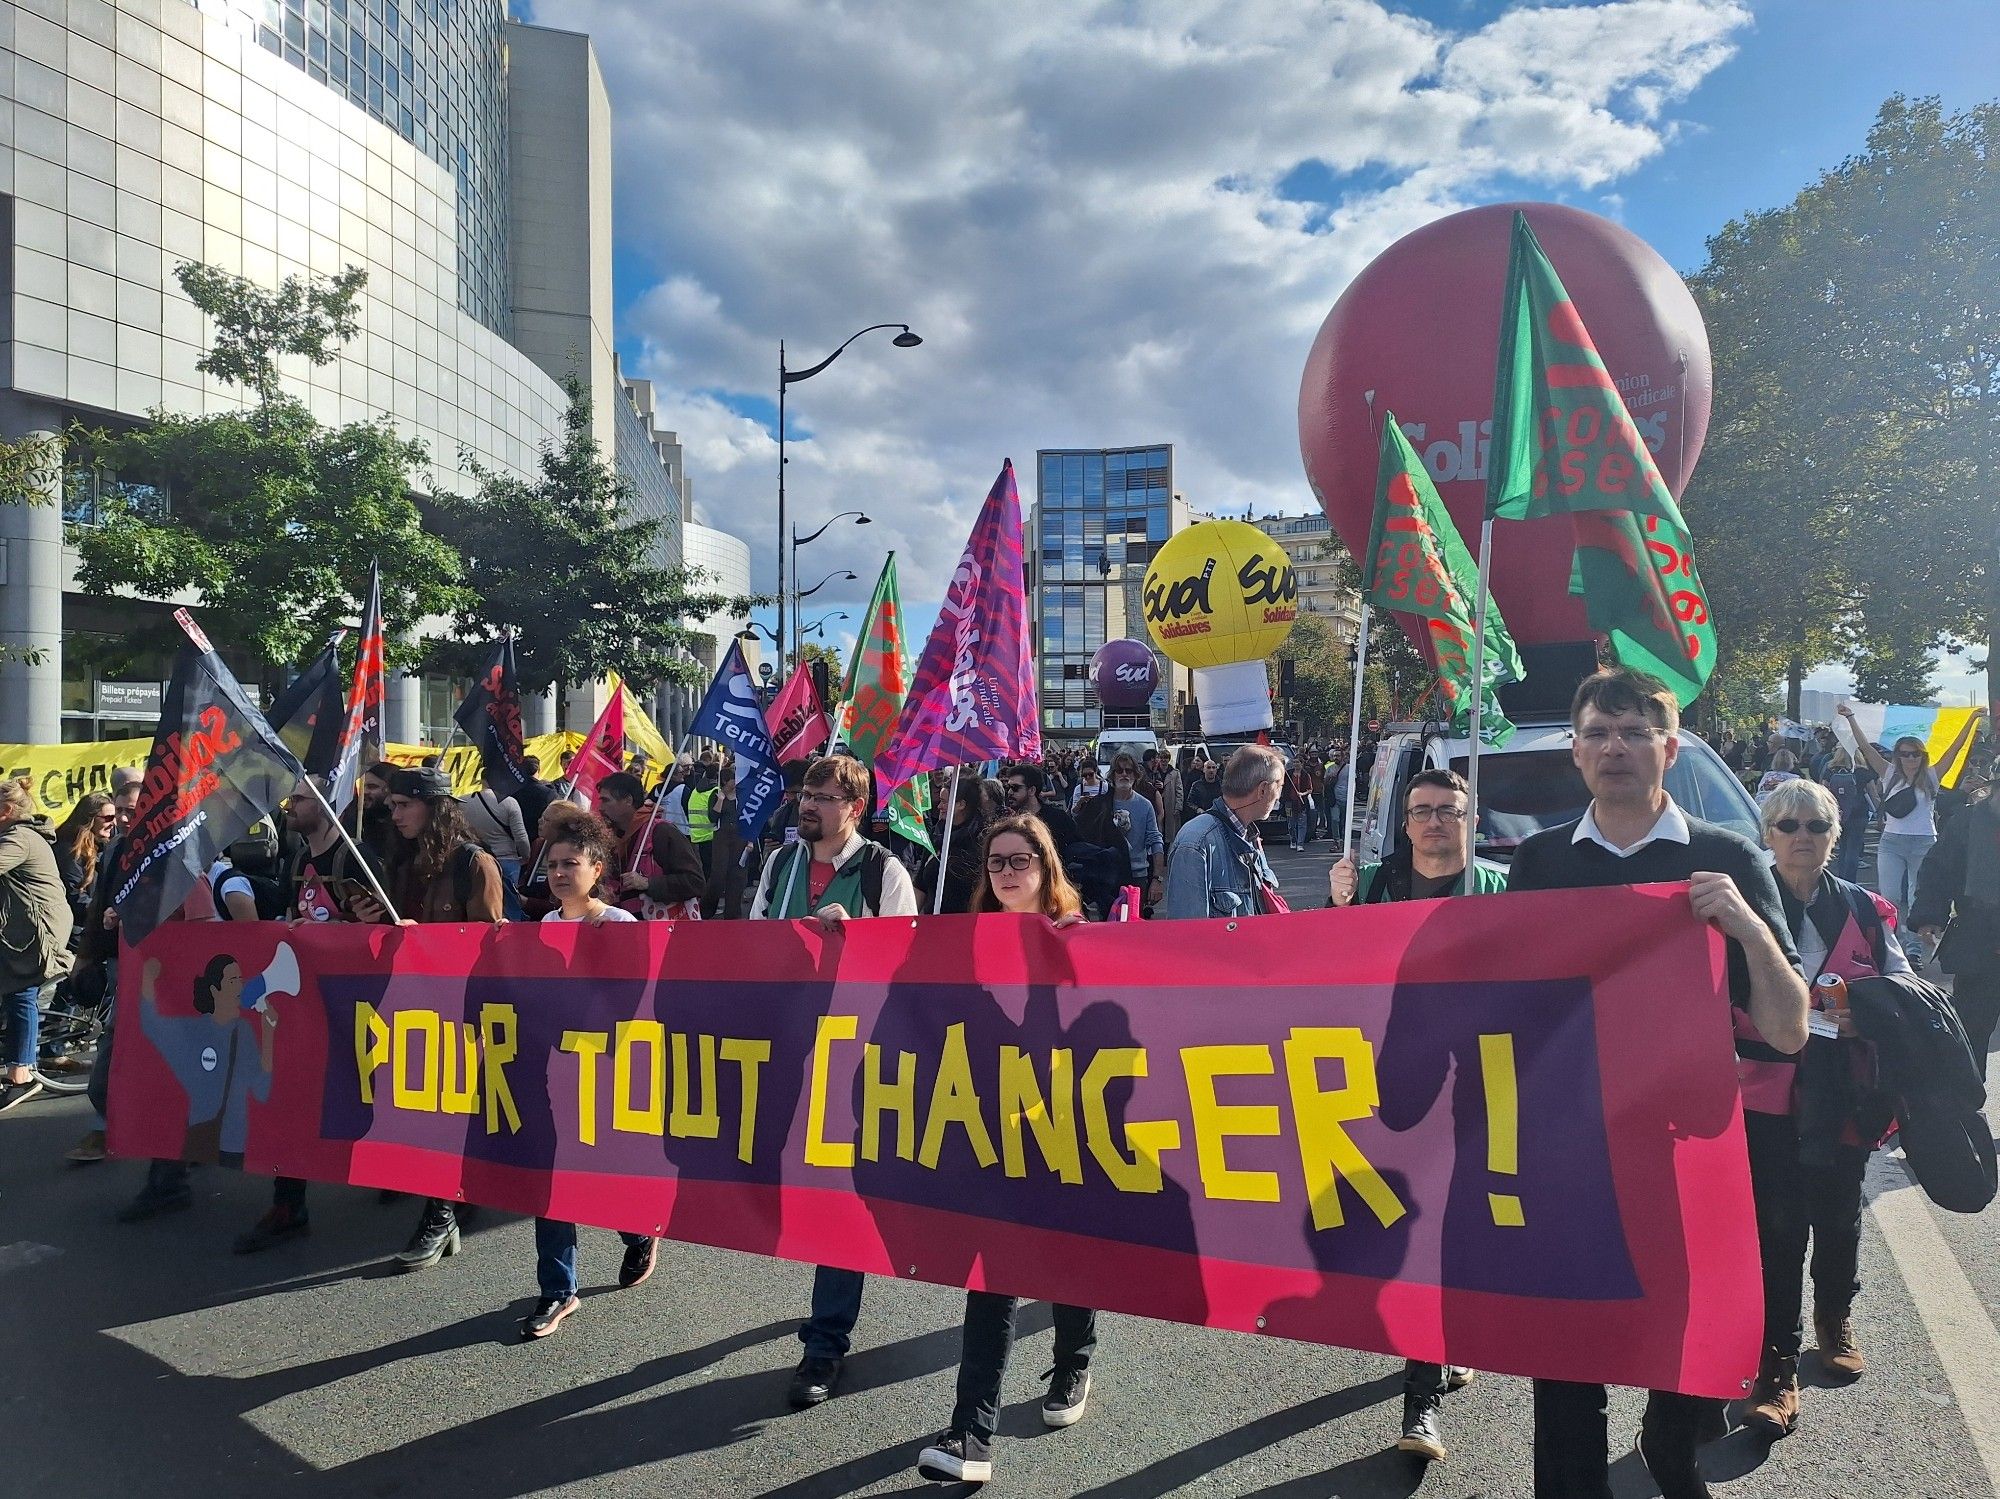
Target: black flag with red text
(216, 767)
(491, 719)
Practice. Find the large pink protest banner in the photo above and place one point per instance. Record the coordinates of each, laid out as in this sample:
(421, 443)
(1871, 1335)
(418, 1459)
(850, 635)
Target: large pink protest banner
(1400, 1128)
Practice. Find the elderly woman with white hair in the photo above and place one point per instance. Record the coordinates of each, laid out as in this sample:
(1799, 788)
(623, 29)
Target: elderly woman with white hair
(1811, 1119)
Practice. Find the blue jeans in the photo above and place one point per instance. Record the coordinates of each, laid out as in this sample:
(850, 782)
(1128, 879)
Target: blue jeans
(836, 1307)
(510, 898)
(1301, 828)
(22, 1012)
(1847, 855)
(555, 1255)
(1898, 857)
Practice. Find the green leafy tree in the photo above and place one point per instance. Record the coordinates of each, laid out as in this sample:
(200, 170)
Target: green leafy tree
(1849, 500)
(251, 329)
(557, 559)
(270, 520)
(30, 468)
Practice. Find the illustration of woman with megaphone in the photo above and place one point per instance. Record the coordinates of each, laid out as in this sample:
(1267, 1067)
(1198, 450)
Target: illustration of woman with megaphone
(222, 1053)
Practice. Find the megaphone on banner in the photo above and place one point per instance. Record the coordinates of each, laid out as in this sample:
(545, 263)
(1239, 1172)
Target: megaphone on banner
(280, 976)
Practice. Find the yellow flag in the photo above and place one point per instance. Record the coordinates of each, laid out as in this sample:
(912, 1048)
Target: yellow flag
(640, 731)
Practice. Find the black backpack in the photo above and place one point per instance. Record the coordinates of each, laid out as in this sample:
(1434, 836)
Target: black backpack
(273, 902)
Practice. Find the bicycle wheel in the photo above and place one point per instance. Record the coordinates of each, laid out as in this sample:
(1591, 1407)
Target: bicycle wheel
(70, 1037)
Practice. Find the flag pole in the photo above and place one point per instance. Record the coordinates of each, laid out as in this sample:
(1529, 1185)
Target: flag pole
(646, 838)
(944, 849)
(1354, 729)
(354, 848)
(1478, 702)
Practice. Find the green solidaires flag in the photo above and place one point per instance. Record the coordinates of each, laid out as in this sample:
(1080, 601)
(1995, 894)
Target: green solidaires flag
(1418, 564)
(878, 678)
(1563, 443)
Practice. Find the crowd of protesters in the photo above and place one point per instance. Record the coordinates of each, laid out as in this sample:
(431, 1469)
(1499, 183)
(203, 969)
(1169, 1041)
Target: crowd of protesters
(1160, 835)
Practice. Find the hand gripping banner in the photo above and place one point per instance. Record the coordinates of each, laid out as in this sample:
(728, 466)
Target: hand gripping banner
(1395, 1127)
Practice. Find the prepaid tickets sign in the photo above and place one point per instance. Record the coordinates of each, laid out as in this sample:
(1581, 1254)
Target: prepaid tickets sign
(1396, 1127)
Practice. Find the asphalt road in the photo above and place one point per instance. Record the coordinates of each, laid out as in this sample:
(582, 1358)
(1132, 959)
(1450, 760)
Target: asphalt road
(150, 1361)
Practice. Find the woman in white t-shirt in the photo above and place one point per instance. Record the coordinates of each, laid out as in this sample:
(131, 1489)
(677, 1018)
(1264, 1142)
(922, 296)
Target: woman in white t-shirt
(576, 856)
(1906, 791)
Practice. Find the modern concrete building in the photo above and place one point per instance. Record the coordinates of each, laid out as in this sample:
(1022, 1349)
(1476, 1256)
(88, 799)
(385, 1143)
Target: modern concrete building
(725, 560)
(1099, 516)
(1309, 541)
(461, 159)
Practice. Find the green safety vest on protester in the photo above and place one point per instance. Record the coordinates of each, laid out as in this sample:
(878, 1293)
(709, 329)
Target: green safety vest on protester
(701, 816)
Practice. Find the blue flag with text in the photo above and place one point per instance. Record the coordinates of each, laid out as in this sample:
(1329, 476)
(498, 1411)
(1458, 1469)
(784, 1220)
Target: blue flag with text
(730, 713)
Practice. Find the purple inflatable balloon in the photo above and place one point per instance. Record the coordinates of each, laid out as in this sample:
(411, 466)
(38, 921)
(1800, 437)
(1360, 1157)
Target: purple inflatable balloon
(1125, 674)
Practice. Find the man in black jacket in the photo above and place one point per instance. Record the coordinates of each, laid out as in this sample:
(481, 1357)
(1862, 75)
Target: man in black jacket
(1959, 888)
(1625, 726)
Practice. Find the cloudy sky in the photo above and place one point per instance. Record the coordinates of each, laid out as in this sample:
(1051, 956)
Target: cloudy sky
(1122, 223)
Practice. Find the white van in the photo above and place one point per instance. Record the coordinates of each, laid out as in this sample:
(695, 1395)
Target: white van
(1133, 742)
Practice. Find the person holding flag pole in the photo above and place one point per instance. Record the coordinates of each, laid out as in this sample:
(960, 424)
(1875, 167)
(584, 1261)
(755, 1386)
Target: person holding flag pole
(1563, 443)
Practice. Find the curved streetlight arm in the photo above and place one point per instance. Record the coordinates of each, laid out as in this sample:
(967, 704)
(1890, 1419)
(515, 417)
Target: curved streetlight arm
(806, 593)
(818, 626)
(799, 541)
(792, 377)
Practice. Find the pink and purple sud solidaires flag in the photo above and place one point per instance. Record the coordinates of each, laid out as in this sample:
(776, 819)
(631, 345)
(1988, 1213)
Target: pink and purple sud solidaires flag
(973, 698)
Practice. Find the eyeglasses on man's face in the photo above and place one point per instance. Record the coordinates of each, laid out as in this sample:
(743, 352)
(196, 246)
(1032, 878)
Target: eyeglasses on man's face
(1014, 788)
(1819, 827)
(1447, 813)
(826, 799)
(1632, 736)
(995, 863)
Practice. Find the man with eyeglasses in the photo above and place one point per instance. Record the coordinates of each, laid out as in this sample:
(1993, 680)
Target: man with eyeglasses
(1625, 737)
(1027, 788)
(830, 875)
(1431, 861)
(1429, 865)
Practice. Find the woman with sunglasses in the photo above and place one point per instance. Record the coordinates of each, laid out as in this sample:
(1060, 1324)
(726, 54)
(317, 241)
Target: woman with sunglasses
(1811, 1118)
(1907, 790)
(1021, 875)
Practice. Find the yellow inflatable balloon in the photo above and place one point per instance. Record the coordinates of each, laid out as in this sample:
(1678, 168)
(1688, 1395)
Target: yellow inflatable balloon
(1221, 592)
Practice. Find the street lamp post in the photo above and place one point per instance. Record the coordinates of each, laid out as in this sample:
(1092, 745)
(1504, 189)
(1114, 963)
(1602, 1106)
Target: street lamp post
(799, 541)
(786, 379)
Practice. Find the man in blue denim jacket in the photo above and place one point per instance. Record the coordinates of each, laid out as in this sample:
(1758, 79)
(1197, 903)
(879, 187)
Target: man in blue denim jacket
(1218, 867)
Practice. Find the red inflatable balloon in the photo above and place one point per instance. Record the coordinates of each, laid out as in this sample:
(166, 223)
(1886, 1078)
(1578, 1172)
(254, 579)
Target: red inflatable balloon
(1420, 329)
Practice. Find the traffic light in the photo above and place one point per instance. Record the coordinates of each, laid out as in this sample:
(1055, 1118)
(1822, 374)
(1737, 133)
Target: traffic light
(1287, 678)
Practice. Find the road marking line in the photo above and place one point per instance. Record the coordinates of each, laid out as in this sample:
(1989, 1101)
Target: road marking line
(1966, 1342)
(20, 1256)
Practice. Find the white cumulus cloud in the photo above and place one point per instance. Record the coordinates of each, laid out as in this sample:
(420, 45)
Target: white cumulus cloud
(1082, 209)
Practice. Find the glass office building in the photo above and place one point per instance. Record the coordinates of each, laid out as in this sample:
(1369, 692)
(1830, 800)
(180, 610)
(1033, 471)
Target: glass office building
(433, 71)
(1100, 515)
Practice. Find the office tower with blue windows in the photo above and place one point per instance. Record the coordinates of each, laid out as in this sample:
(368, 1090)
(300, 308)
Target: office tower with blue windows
(1100, 515)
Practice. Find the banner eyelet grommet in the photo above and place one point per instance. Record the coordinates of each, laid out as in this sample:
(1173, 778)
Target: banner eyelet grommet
(1260, 1324)
(1230, 927)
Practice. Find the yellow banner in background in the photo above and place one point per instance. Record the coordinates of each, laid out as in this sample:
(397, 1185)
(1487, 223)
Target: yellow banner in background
(461, 761)
(61, 775)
